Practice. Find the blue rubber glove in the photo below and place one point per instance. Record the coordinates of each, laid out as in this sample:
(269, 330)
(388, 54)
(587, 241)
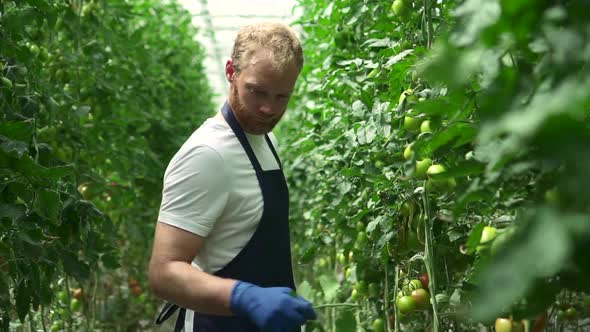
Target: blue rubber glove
(272, 309)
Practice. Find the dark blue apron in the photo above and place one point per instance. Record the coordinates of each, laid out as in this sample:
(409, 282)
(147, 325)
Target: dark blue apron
(266, 259)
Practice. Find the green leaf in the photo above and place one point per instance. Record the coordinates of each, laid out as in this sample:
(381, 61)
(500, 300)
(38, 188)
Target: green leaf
(18, 131)
(474, 238)
(476, 16)
(11, 211)
(397, 58)
(11, 147)
(110, 261)
(14, 21)
(41, 4)
(448, 106)
(74, 266)
(524, 122)
(345, 321)
(464, 168)
(305, 290)
(29, 167)
(48, 204)
(458, 134)
(23, 299)
(308, 255)
(330, 287)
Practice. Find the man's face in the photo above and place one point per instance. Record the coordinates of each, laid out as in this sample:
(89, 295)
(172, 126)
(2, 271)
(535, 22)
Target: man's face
(259, 94)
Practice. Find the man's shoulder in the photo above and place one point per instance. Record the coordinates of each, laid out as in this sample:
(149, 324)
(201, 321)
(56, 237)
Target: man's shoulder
(213, 133)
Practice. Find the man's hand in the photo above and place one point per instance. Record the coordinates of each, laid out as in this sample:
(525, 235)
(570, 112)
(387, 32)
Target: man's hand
(273, 309)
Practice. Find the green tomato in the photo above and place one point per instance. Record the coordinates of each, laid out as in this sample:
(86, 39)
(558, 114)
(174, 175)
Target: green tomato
(488, 234)
(440, 185)
(411, 124)
(435, 169)
(399, 8)
(56, 327)
(341, 258)
(425, 127)
(44, 54)
(348, 273)
(62, 296)
(35, 50)
(408, 152)
(415, 284)
(571, 313)
(361, 238)
(421, 167)
(354, 295)
(360, 226)
(361, 287)
(378, 325)
(503, 325)
(405, 304)
(6, 82)
(411, 285)
(75, 305)
(552, 196)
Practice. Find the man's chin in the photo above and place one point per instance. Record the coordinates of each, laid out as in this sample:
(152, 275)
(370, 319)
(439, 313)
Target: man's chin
(259, 130)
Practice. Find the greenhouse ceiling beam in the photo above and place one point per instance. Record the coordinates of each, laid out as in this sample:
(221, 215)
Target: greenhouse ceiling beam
(279, 17)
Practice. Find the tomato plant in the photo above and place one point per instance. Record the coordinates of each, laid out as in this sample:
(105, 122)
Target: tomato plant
(426, 142)
(90, 114)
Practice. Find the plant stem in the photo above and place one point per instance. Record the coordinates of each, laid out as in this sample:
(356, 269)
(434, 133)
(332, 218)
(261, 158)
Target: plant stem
(335, 305)
(386, 299)
(429, 257)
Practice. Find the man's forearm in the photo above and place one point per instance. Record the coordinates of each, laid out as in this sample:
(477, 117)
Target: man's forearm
(191, 288)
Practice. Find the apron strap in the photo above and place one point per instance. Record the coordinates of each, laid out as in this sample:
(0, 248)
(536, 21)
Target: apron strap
(179, 326)
(229, 116)
(274, 152)
(168, 310)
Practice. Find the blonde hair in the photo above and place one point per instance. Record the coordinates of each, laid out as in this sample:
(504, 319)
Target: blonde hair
(281, 41)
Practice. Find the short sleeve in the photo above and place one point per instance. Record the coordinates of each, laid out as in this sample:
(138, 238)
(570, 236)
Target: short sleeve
(195, 190)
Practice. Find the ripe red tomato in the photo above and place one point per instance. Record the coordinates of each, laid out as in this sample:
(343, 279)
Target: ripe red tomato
(425, 280)
(77, 293)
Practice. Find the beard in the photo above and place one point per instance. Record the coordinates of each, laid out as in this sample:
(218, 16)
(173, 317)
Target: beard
(248, 120)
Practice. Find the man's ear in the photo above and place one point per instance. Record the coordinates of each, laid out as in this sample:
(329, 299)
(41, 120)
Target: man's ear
(229, 70)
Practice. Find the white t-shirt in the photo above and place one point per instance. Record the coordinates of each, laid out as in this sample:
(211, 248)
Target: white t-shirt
(211, 189)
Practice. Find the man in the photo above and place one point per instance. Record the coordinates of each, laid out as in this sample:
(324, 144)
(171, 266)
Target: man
(222, 248)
